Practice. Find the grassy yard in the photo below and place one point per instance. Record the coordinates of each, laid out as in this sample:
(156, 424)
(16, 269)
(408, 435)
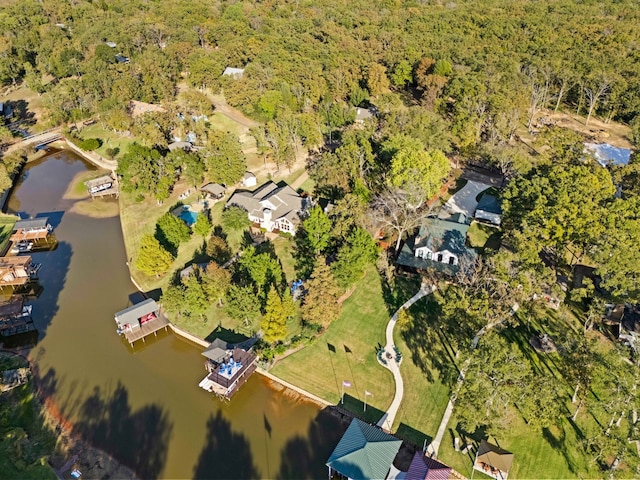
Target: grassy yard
(6, 229)
(139, 218)
(108, 137)
(483, 236)
(425, 395)
(347, 351)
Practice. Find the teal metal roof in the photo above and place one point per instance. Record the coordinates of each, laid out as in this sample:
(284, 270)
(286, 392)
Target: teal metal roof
(364, 452)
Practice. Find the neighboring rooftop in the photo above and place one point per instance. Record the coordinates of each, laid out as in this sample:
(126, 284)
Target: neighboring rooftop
(38, 223)
(425, 468)
(214, 189)
(364, 451)
(489, 203)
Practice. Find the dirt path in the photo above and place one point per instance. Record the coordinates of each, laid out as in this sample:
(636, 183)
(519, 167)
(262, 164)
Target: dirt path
(223, 107)
(597, 131)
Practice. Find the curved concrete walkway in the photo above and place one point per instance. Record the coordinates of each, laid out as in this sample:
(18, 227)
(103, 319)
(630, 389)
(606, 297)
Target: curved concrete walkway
(386, 422)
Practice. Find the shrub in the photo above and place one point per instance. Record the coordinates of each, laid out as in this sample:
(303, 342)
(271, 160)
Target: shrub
(89, 144)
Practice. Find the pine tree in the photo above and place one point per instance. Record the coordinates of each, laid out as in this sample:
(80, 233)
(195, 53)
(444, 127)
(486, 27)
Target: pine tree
(152, 258)
(202, 226)
(320, 305)
(274, 320)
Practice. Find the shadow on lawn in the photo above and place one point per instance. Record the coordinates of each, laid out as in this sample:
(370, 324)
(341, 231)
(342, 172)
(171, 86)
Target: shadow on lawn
(402, 290)
(427, 342)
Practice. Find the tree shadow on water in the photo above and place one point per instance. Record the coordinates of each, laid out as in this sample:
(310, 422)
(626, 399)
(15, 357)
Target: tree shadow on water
(138, 439)
(227, 454)
(305, 457)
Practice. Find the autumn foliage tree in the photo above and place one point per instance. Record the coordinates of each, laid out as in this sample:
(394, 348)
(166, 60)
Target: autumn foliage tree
(274, 320)
(152, 258)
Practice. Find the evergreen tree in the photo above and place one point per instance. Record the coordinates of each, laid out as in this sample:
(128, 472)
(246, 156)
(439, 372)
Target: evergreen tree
(274, 320)
(318, 229)
(202, 226)
(172, 231)
(241, 303)
(152, 258)
(359, 251)
(320, 305)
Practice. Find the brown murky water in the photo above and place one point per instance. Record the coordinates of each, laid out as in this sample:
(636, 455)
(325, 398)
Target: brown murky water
(145, 407)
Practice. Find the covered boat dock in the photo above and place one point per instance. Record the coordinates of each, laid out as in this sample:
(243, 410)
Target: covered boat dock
(34, 231)
(102, 186)
(229, 368)
(140, 320)
(15, 317)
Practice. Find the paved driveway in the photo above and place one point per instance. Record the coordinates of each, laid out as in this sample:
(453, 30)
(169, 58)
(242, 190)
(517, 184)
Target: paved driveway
(464, 201)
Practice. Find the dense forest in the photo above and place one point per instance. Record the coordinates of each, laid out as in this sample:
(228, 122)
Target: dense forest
(483, 65)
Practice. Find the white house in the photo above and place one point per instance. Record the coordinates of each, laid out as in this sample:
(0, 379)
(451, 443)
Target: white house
(272, 206)
(439, 244)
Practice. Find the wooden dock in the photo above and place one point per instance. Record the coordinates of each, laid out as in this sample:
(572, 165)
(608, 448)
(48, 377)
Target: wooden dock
(146, 329)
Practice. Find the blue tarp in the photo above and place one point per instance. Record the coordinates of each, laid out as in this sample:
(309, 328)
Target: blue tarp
(608, 154)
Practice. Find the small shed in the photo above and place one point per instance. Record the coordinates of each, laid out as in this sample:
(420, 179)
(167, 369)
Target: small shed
(137, 315)
(232, 72)
(489, 210)
(425, 468)
(214, 190)
(493, 460)
(249, 180)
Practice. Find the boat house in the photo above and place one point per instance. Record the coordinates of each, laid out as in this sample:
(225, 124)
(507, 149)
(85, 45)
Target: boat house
(32, 230)
(102, 186)
(15, 317)
(17, 271)
(140, 320)
(228, 366)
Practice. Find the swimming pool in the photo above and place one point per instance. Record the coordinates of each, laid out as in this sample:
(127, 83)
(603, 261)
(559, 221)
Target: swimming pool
(189, 217)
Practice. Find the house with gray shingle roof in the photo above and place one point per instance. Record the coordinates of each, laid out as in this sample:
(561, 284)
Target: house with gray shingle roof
(272, 206)
(364, 451)
(439, 244)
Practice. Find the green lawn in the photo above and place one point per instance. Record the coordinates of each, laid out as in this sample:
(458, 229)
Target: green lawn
(425, 395)
(347, 352)
(6, 229)
(483, 236)
(108, 137)
(139, 218)
(284, 248)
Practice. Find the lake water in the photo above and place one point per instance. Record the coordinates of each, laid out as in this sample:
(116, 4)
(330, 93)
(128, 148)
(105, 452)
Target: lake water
(144, 406)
